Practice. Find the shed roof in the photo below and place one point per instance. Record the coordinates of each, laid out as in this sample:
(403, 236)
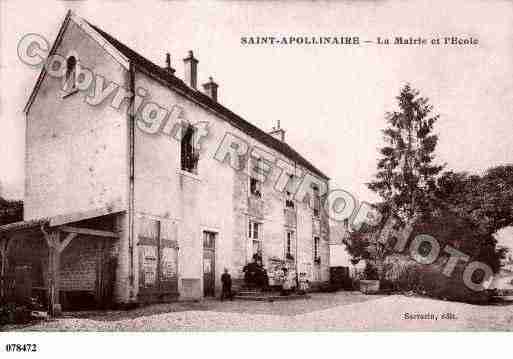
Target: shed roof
(23, 225)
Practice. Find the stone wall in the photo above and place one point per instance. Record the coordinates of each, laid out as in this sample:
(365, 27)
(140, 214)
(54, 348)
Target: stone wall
(76, 153)
(80, 262)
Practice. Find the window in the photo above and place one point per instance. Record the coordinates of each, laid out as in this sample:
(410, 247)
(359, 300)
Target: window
(209, 239)
(70, 79)
(289, 201)
(317, 258)
(189, 156)
(289, 245)
(255, 184)
(316, 201)
(254, 229)
(255, 235)
(255, 187)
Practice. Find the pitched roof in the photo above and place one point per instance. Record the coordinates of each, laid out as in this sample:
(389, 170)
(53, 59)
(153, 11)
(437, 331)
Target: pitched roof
(174, 82)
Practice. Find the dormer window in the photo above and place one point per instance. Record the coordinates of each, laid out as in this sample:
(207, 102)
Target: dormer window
(189, 156)
(70, 80)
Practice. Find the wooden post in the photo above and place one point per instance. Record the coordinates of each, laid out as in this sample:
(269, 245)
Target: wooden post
(55, 248)
(52, 239)
(3, 253)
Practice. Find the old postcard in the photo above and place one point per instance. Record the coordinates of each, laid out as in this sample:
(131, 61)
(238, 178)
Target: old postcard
(256, 166)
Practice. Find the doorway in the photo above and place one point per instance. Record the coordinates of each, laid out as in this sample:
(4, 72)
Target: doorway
(317, 259)
(209, 261)
(158, 261)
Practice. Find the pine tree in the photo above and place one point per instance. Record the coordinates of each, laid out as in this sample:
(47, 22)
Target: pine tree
(406, 177)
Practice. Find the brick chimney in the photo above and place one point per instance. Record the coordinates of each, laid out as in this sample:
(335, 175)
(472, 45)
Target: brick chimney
(191, 70)
(278, 132)
(211, 89)
(168, 67)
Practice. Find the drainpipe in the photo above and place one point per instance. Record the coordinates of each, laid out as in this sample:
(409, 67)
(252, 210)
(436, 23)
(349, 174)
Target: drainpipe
(296, 209)
(297, 250)
(131, 165)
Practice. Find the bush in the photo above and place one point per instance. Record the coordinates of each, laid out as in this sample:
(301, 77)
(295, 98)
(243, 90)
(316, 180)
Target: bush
(11, 313)
(408, 279)
(7, 313)
(429, 280)
(435, 284)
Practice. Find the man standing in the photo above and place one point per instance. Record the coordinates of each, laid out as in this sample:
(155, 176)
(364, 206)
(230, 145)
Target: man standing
(226, 280)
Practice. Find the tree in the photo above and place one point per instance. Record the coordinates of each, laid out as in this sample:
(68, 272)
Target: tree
(487, 199)
(364, 244)
(10, 211)
(496, 191)
(456, 208)
(406, 176)
(462, 232)
(486, 202)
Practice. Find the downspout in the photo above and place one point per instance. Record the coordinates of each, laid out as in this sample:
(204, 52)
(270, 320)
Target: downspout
(297, 248)
(131, 170)
(327, 223)
(296, 210)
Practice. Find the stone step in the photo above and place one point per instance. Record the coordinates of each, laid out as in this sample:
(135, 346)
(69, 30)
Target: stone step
(272, 297)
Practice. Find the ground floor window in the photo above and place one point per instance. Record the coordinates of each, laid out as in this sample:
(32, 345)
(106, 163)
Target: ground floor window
(209, 239)
(317, 257)
(289, 245)
(255, 236)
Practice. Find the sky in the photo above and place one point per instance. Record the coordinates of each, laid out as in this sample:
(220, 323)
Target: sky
(330, 99)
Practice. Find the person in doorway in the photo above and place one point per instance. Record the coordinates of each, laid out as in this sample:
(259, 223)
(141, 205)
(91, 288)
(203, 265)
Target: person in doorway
(226, 281)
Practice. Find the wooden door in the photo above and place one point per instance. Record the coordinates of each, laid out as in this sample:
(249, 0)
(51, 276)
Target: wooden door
(148, 240)
(209, 261)
(158, 257)
(317, 259)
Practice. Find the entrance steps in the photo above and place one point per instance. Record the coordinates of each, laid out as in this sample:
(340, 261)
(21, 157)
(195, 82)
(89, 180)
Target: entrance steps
(269, 296)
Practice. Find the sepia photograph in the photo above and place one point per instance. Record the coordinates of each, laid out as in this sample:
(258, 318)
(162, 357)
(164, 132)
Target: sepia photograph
(255, 166)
